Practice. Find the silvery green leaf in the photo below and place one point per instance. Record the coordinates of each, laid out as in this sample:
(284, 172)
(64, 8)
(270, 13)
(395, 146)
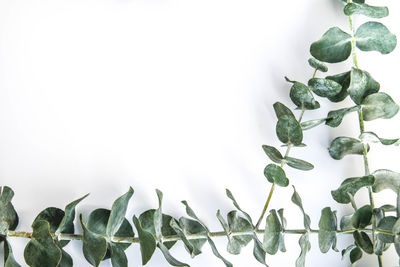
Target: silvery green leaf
(301, 145)
(118, 257)
(305, 246)
(327, 230)
(117, 214)
(324, 87)
(190, 227)
(363, 241)
(246, 215)
(296, 199)
(355, 255)
(345, 222)
(370, 137)
(7, 211)
(94, 245)
(334, 46)
(342, 146)
(289, 131)
(258, 251)
(281, 109)
(306, 125)
(335, 117)
(374, 36)
(9, 260)
(146, 240)
(386, 225)
(362, 217)
(354, 1)
(379, 105)
(316, 64)
(347, 250)
(344, 80)
(170, 259)
(361, 85)
(41, 250)
(387, 208)
(386, 179)
(376, 12)
(193, 251)
(272, 233)
(157, 217)
(396, 226)
(302, 97)
(299, 164)
(276, 174)
(238, 224)
(282, 246)
(273, 153)
(351, 186)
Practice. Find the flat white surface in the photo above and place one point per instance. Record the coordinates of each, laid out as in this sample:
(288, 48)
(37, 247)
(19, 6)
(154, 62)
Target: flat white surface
(96, 96)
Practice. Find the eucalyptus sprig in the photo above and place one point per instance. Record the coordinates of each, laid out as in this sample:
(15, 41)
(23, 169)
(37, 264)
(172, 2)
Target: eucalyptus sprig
(106, 233)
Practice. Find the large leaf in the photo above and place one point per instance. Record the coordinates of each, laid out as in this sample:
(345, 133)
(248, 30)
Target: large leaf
(335, 117)
(276, 174)
(146, 240)
(386, 179)
(324, 87)
(117, 214)
(272, 233)
(192, 227)
(327, 230)
(351, 186)
(273, 153)
(379, 105)
(342, 146)
(299, 164)
(362, 217)
(7, 211)
(386, 225)
(361, 85)
(302, 97)
(289, 131)
(334, 46)
(318, 65)
(344, 80)
(376, 12)
(363, 241)
(374, 36)
(238, 224)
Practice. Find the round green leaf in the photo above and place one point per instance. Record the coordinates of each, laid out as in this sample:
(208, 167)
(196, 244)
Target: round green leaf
(276, 174)
(386, 179)
(374, 36)
(351, 186)
(302, 97)
(316, 64)
(327, 230)
(281, 109)
(342, 146)
(379, 105)
(361, 85)
(273, 153)
(386, 225)
(362, 217)
(272, 233)
(335, 117)
(376, 12)
(344, 80)
(324, 87)
(289, 131)
(363, 241)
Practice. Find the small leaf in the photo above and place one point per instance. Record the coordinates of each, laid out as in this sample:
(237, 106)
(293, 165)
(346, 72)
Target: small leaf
(191, 227)
(238, 224)
(273, 153)
(302, 97)
(351, 186)
(379, 105)
(258, 251)
(289, 131)
(347, 250)
(386, 179)
(118, 211)
(361, 85)
(355, 255)
(146, 240)
(272, 233)
(376, 12)
(374, 36)
(342, 146)
(316, 64)
(344, 80)
(283, 223)
(296, 199)
(281, 109)
(9, 260)
(335, 117)
(41, 249)
(363, 241)
(118, 257)
(306, 125)
(246, 215)
(370, 137)
(324, 87)
(327, 230)
(276, 174)
(386, 225)
(345, 222)
(193, 250)
(170, 259)
(7, 211)
(334, 46)
(305, 246)
(299, 164)
(362, 217)
(157, 217)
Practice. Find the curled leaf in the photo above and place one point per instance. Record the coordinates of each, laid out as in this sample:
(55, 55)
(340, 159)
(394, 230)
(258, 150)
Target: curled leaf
(379, 105)
(342, 146)
(316, 64)
(276, 174)
(324, 87)
(327, 230)
(376, 12)
(302, 97)
(374, 36)
(351, 186)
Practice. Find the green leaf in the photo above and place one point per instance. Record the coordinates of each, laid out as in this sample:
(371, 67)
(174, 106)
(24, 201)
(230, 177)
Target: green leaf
(324, 87)
(386, 225)
(355, 255)
(299, 164)
(238, 224)
(374, 36)
(94, 245)
(316, 64)
(289, 131)
(273, 153)
(327, 230)
(305, 246)
(342, 146)
(296, 199)
(170, 259)
(193, 251)
(272, 233)
(146, 240)
(335, 117)
(9, 260)
(281, 109)
(118, 257)
(66, 260)
(347, 250)
(52, 215)
(379, 105)
(376, 12)
(258, 251)
(302, 97)
(386, 179)
(276, 174)
(334, 46)
(362, 217)
(7, 211)
(361, 85)
(283, 223)
(191, 227)
(118, 211)
(370, 137)
(344, 80)
(363, 241)
(157, 217)
(41, 250)
(351, 186)
(306, 125)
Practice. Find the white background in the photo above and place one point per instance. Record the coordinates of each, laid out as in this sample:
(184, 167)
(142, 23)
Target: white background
(99, 95)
